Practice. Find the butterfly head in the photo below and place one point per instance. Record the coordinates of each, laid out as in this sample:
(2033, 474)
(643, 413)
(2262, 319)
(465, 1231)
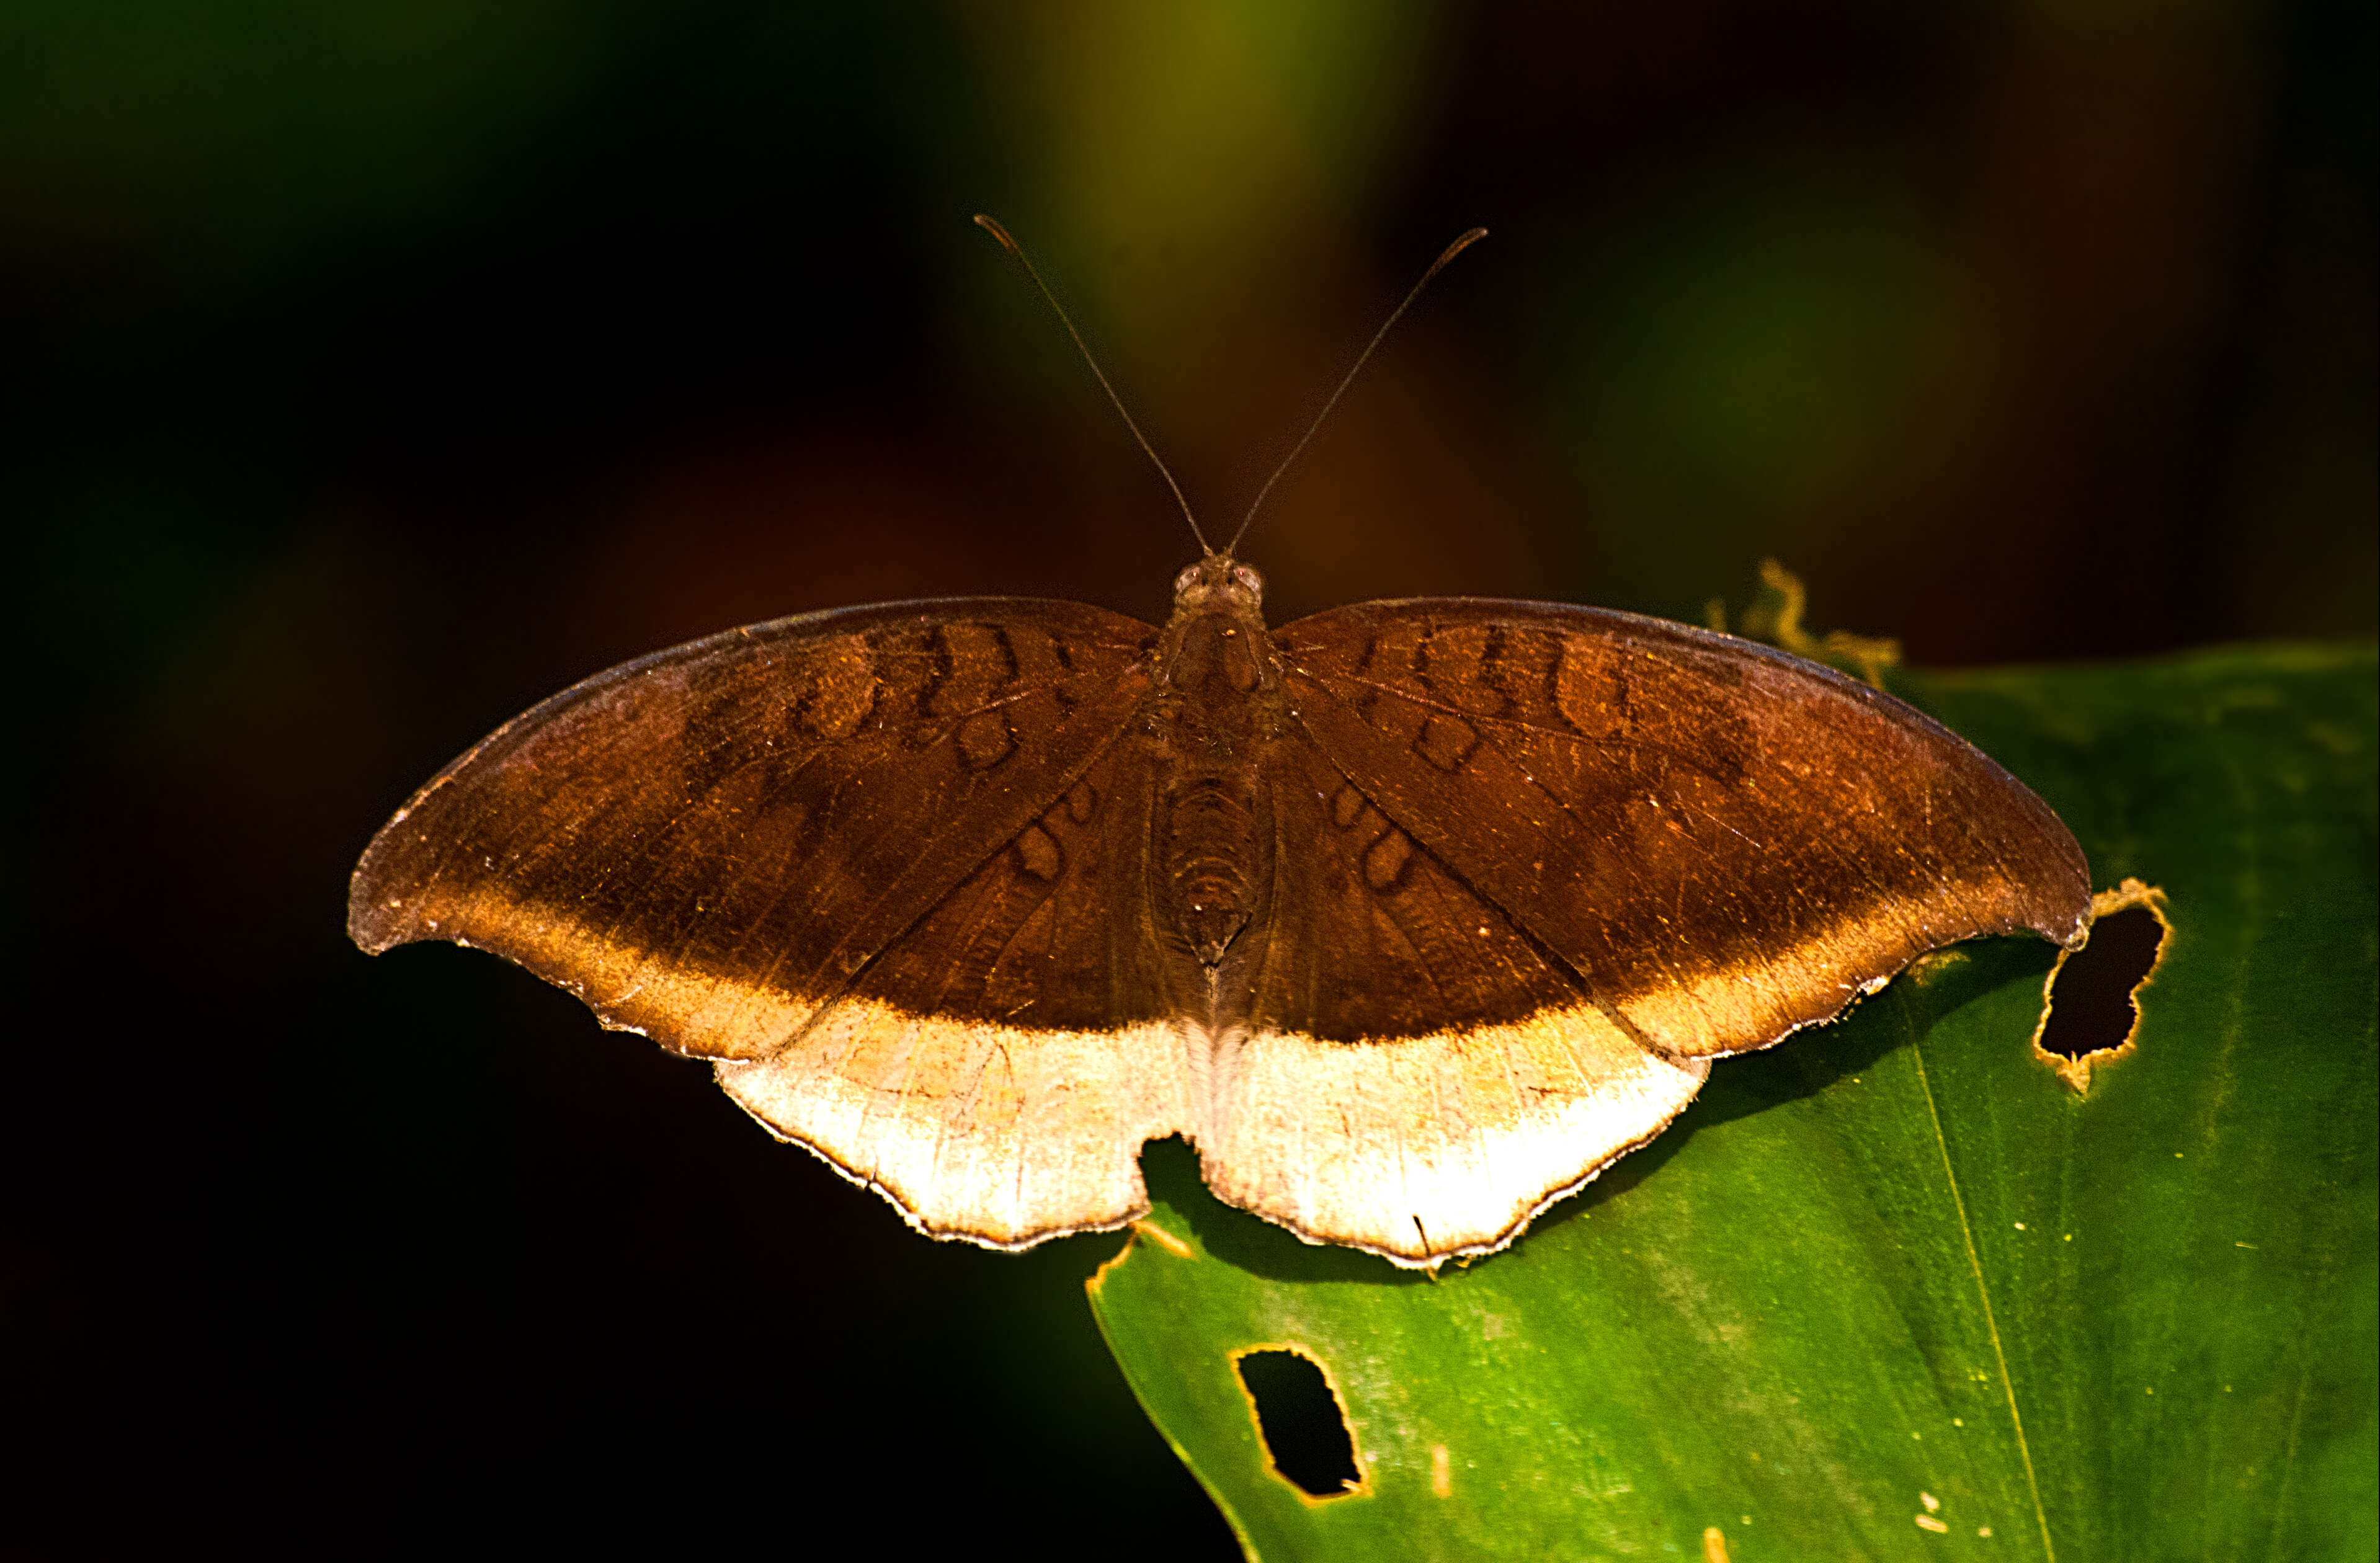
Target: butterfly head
(1218, 582)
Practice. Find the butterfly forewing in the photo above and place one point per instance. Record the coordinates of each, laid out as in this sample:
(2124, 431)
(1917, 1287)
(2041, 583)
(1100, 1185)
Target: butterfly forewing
(1721, 842)
(708, 844)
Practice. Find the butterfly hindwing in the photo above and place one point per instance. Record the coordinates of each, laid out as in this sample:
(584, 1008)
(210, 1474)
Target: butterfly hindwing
(1416, 1074)
(996, 1069)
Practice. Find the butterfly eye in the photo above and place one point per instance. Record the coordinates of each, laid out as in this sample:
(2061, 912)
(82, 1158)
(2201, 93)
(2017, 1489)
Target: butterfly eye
(1244, 577)
(1184, 581)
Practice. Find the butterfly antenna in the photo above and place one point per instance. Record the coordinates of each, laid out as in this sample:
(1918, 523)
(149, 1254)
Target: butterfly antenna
(1452, 251)
(991, 226)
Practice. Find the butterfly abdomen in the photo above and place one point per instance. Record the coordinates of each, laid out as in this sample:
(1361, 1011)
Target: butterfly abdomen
(1210, 857)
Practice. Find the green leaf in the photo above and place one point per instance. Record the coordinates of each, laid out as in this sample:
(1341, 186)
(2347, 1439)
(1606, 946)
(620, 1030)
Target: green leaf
(1892, 1290)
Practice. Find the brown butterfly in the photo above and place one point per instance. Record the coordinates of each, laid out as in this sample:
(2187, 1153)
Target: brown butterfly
(1411, 916)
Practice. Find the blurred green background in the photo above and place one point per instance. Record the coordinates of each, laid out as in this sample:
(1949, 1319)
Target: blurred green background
(373, 370)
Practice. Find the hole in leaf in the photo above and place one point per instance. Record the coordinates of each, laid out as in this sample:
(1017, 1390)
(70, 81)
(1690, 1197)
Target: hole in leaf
(1303, 1430)
(2091, 1008)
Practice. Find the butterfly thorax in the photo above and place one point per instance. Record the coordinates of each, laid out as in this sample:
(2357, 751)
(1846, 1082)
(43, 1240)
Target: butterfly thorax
(1216, 703)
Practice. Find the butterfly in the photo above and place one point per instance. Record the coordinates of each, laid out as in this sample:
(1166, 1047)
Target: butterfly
(1411, 916)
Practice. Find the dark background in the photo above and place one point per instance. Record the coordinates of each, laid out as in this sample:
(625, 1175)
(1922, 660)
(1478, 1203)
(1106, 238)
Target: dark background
(373, 370)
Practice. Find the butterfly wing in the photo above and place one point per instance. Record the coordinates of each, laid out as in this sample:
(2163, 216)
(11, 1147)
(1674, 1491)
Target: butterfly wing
(852, 855)
(1547, 863)
(1724, 841)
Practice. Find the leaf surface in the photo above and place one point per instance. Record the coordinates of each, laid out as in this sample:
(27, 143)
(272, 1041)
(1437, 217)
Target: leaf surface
(1892, 1290)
